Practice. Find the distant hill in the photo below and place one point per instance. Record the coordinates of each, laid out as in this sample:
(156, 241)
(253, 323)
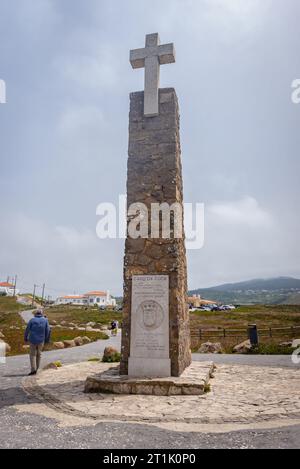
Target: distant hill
(281, 290)
(293, 299)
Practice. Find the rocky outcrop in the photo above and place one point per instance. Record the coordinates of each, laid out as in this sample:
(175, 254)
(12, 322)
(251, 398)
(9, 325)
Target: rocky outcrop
(244, 347)
(79, 341)
(59, 345)
(296, 343)
(86, 340)
(69, 343)
(111, 355)
(91, 324)
(286, 344)
(7, 346)
(210, 347)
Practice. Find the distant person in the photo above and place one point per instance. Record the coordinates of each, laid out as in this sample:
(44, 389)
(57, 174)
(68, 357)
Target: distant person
(37, 334)
(114, 328)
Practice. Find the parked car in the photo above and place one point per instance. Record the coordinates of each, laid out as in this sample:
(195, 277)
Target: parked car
(211, 307)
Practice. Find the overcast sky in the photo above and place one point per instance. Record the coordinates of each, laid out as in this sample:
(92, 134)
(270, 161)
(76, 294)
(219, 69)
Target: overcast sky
(64, 134)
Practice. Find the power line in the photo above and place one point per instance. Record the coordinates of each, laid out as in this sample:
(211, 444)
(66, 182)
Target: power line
(25, 285)
(15, 285)
(33, 296)
(43, 292)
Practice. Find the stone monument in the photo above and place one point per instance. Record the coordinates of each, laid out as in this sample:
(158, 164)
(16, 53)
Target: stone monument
(156, 355)
(155, 331)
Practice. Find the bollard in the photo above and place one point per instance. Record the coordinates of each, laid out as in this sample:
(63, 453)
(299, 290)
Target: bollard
(253, 334)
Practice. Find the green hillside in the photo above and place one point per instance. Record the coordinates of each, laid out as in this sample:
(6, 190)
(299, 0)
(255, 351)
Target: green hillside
(282, 290)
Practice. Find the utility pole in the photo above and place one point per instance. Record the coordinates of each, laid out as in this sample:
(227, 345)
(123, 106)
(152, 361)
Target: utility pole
(15, 284)
(43, 292)
(33, 296)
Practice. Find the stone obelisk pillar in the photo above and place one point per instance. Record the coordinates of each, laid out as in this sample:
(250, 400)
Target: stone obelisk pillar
(155, 331)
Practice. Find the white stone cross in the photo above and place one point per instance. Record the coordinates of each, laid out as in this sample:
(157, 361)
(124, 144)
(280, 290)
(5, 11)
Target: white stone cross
(151, 57)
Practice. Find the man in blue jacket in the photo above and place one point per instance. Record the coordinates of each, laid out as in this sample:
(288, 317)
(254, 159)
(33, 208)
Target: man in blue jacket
(37, 334)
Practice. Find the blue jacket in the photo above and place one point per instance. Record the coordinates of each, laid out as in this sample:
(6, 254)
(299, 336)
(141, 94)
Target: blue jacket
(38, 330)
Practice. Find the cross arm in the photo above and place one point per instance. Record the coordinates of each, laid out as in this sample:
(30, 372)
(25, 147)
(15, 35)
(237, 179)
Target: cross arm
(137, 58)
(166, 54)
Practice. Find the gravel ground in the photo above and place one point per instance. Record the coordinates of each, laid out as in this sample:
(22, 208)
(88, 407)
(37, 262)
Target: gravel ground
(30, 431)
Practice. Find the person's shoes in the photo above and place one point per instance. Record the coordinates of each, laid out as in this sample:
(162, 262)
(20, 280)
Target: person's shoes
(32, 373)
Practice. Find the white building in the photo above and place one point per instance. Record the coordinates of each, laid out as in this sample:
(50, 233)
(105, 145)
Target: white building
(100, 298)
(92, 298)
(77, 300)
(8, 289)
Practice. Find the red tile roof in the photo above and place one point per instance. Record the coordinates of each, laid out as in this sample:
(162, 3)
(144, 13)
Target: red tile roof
(7, 285)
(73, 297)
(96, 293)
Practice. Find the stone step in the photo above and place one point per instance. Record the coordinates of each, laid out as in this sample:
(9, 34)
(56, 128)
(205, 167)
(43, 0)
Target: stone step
(193, 381)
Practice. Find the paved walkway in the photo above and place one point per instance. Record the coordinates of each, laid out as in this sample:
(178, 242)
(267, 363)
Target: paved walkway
(283, 361)
(252, 387)
(27, 315)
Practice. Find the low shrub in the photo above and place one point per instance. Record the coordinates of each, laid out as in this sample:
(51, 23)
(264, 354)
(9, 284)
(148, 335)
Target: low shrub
(113, 358)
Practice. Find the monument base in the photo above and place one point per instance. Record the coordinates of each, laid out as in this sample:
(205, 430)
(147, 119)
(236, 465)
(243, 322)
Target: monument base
(193, 381)
(149, 367)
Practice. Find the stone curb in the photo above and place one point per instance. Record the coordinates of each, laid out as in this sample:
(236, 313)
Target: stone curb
(111, 382)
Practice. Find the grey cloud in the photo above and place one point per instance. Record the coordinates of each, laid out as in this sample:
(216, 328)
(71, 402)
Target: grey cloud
(64, 132)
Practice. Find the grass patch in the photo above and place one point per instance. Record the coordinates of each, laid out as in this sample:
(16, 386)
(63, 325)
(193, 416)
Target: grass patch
(9, 304)
(59, 335)
(13, 327)
(94, 359)
(82, 315)
(15, 338)
(271, 349)
(207, 388)
(264, 316)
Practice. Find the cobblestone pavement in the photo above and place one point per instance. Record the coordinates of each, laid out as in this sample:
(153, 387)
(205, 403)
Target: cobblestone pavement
(239, 394)
(41, 426)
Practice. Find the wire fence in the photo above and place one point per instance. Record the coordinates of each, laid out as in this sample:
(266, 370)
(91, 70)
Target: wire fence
(270, 332)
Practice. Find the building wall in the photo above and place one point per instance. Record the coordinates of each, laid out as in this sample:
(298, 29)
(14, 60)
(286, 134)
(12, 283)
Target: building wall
(9, 291)
(88, 301)
(66, 301)
(102, 300)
